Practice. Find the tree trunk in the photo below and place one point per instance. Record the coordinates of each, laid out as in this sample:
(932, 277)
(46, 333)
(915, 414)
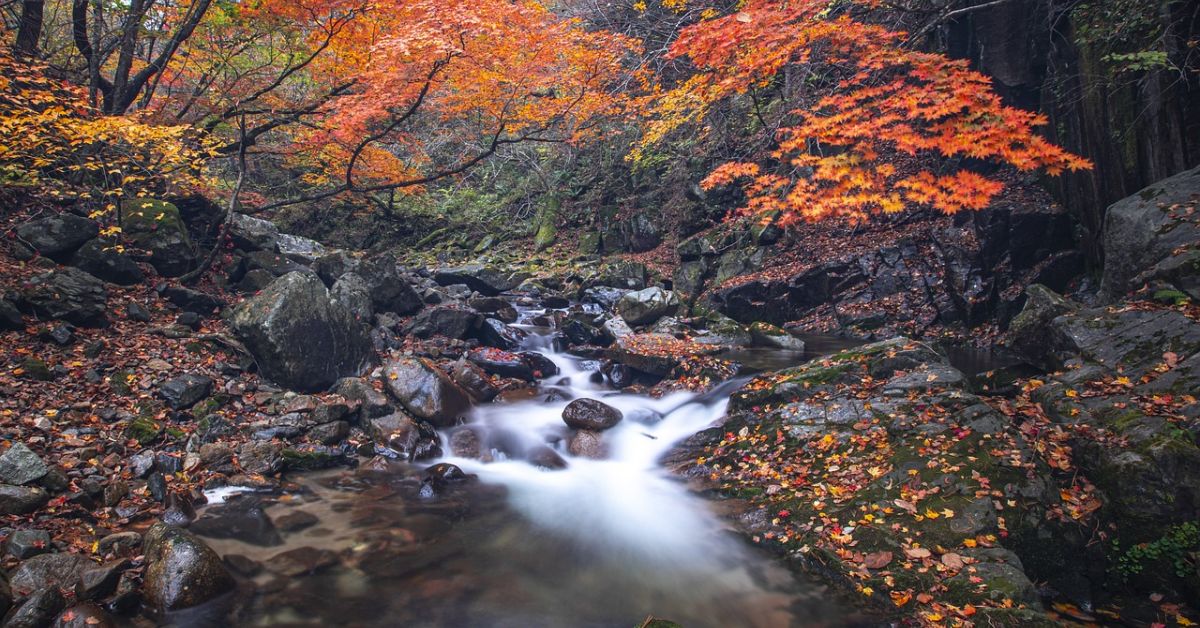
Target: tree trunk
(30, 31)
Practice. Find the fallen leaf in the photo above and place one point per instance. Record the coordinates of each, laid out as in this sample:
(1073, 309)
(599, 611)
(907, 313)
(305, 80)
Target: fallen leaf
(877, 560)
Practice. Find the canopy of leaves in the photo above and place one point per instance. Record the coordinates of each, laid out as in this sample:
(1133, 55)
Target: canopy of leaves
(888, 128)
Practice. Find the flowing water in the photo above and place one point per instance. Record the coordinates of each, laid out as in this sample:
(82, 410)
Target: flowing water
(599, 543)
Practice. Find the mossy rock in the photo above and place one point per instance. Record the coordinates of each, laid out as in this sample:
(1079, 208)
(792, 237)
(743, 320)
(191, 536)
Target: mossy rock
(144, 430)
(121, 382)
(35, 369)
(158, 227)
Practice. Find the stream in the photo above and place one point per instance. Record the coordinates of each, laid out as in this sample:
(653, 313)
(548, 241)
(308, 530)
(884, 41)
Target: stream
(599, 543)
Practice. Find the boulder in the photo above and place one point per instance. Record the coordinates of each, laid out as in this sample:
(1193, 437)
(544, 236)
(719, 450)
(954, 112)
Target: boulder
(23, 544)
(332, 266)
(181, 570)
(590, 414)
(189, 300)
(1146, 228)
(371, 402)
(299, 336)
(646, 306)
(425, 391)
(100, 258)
(445, 320)
(486, 280)
(68, 294)
(253, 234)
(390, 291)
(296, 247)
(656, 354)
(185, 391)
(57, 237)
(473, 379)
(157, 227)
(496, 333)
(20, 465)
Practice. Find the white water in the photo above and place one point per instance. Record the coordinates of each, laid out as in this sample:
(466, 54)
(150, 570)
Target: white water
(626, 506)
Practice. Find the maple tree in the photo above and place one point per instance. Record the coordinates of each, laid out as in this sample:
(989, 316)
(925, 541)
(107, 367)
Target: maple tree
(895, 128)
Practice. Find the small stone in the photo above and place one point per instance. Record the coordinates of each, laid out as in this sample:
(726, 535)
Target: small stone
(590, 414)
(28, 543)
(185, 391)
(21, 500)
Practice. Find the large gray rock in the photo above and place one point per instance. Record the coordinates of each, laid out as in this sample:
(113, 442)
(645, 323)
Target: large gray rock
(68, 294)
(158, 228)
(300, 248)
(646, 306)
(181, 571)
(300, 337)
(425, 391)
(21, 500)
(19, 465)
(253, 234)
(58, 236)
(445, 320)
(1130, 341)
(1030, 331)
(1144, 229)
(353, 293)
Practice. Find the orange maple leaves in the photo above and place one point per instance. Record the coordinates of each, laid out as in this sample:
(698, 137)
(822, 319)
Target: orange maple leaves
(892, 132)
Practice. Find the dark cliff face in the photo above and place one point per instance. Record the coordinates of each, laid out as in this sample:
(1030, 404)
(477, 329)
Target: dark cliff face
(1116, 79)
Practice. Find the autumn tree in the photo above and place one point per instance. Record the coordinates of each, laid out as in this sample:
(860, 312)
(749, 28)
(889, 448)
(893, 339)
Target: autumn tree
(887, 127)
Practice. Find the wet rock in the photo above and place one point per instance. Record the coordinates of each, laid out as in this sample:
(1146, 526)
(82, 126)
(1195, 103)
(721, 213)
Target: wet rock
(38, 610)
(1141, 231)
(587, 444)
(20, 465)
(309, 457)
(296, 520)
(441, 476)
(500, 362)
(157, 227)
(178, 510)
(546, 458)
(466, 443)
(768, 335)
(24, 544)
(21, 500)
(486, 280)
(181, 570)
(541, 365)
(646, 306)
(445, 320)
(100, 581)
(101, 259)
(495, 333)
(473, 379)
(425, 391)
(590, 414)
(371, 402)
(262, 458)
(406, 438)
(185, 391)
(58, 236)
(302, 561)
(49, 571)
(299, 336)
(85, 616)
(243, 565)
(68, 294)
(242, 519)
